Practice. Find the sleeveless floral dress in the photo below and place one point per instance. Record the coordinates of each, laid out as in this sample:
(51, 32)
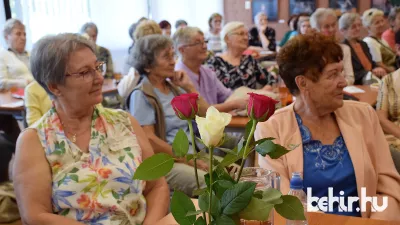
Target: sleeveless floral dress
(95, 187)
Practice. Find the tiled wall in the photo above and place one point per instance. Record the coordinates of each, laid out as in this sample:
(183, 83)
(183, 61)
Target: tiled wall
(234, 10)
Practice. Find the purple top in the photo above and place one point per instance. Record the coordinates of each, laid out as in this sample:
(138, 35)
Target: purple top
(208, 85)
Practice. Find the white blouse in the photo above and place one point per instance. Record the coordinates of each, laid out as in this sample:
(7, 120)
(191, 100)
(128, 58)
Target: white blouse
(13, 72)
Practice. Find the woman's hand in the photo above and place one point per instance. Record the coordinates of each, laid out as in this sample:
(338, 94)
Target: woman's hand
(182, 80)
(241, 103)
(379, 72)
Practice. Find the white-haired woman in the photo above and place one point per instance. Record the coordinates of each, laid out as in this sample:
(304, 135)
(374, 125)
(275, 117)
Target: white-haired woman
(233, 68)
(76, 164)
(350, 26)
(261, 35)
(382, 53)
(14, 61)
(324, 20)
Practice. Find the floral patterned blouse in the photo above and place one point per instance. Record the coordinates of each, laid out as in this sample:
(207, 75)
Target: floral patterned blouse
(248, 73)
(95, 187)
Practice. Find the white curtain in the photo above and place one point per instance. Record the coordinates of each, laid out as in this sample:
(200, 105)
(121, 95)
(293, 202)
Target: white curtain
(195, 12)
(113, 18)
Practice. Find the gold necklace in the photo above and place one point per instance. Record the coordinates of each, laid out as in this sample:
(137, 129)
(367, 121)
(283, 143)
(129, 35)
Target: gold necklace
(73, 138)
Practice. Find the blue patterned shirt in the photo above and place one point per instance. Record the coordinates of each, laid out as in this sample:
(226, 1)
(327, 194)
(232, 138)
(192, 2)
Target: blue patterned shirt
(328, 166)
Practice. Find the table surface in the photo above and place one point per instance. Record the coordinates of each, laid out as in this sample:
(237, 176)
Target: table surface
(370, 97)
(109, 86)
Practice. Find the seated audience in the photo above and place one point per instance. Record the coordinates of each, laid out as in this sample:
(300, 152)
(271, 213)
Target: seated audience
(394, 21)
(14, 62)
(37, 102)
(389, 114)
(131, 31)
(290, 23)
(102, 54)
(350, 26)
(233, 68)
(180, 24)
(381, 52)
(150, 103)
(165, 28)
(324, 20)
(191, 47)
(261, 35)
(213, 34)
(129, 81)
(75, 165)
(298, 22)
(340, 144)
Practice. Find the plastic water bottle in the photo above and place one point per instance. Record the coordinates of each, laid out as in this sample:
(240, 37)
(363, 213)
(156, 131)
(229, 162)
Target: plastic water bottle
(296, 189)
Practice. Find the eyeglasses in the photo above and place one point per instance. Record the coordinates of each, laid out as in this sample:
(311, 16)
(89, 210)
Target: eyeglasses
(88, 74)
(201, 43)
(240, 33)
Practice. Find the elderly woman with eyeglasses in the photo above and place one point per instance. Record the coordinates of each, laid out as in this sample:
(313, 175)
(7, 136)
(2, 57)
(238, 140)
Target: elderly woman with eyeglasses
(382, 54)
(150, 103)
(350, 26)
(233, 68)
(340, 144)
(261, 35)
(324, 20)
(76, 164)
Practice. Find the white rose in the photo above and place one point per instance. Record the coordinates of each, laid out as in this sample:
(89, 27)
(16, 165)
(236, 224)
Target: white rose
(212, 127)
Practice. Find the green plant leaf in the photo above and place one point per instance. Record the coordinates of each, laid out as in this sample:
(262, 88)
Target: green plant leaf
(258, 194)
(264, 139)
(225, 220)
(199, 192)
(229, 159)
(291, 208)
(180, 206)
(154, 167)
(180, 145)
(240, 147)
(195, 213)
(189, 157)
(200, 221)
(228, 151)
(220, 186)
(257, 209)
(270, 148)
(248, 129)
(237, 198)
(204, 204)
(272, 196)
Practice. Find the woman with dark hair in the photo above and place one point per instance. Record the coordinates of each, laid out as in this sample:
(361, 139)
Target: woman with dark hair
(213, 34)
(340, 144)
(165, 27)
(290, 24)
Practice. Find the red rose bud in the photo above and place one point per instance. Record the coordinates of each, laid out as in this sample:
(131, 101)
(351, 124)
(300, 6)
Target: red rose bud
(260, 107)
(185, 106)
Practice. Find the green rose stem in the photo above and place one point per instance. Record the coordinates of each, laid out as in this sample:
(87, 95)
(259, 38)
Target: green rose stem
(194, 151)
(195, 159)
(245, 152)
(210, 149)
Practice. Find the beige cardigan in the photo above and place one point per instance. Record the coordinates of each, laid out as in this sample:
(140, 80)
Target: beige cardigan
(365, 141)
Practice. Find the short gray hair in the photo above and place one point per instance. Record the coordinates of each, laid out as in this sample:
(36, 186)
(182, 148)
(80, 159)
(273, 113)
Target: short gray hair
(145, 51)
(50, 56)
(183, 36)
(228, 29)
(369, 15)
(10, 25)
(347, 19)
(258, 15)
(319, 14)
(89, 25)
